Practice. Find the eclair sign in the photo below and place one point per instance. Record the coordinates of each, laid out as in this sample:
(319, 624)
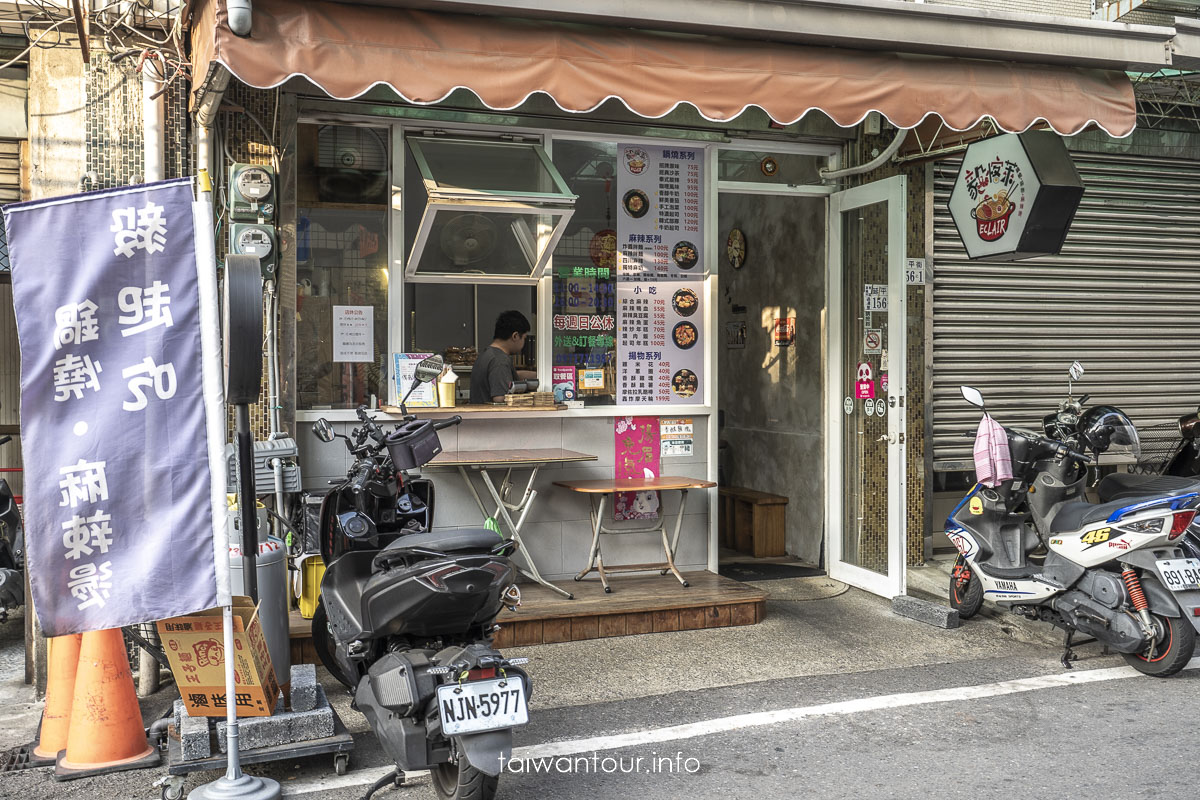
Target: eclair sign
(1015, 196)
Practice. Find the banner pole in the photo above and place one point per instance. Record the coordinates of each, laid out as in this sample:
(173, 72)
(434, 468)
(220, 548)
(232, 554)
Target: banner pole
(247, 502)
(235, 785)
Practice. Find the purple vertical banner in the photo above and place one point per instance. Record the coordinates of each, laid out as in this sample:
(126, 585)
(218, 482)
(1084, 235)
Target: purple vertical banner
(122, 408)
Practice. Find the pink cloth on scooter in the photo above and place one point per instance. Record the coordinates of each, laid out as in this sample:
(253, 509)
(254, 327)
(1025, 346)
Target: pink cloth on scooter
(993, 462)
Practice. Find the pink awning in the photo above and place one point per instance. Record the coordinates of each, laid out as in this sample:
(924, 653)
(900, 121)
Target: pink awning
(424, 56)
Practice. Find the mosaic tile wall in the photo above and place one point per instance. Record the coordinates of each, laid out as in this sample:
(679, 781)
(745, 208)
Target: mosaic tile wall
(859, 152)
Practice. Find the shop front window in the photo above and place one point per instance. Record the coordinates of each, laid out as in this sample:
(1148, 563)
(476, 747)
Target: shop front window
(342, 194)
(585, 269)
(765, 166)
(457, 319)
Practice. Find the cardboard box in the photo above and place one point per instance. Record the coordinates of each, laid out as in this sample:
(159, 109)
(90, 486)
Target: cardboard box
(194, 645)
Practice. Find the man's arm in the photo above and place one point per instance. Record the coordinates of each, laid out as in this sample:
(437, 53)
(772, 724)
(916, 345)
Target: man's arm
(499, 379)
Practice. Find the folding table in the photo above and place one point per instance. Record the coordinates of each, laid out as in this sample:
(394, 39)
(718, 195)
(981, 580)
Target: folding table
(483, 460)
(598, 492)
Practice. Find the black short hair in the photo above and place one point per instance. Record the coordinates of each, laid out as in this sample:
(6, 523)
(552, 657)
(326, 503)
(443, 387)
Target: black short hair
(510, 322)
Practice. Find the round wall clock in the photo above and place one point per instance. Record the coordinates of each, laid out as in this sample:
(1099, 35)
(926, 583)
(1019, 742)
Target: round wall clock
(735, 248)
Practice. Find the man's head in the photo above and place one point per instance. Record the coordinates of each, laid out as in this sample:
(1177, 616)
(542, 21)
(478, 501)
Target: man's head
(511, 330)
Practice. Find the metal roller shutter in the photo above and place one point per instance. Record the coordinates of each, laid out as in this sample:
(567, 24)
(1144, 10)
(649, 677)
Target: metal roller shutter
(1123, 298)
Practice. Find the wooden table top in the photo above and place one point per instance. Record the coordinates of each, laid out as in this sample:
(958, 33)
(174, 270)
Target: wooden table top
(661, 483)
(482, 458)
(482, 408)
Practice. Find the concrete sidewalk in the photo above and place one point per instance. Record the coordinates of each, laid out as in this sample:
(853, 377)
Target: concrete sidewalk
(814, 627)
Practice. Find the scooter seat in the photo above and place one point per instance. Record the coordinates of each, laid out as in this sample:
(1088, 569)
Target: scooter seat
(1074, 516)
(1121, 485)
(447, 541)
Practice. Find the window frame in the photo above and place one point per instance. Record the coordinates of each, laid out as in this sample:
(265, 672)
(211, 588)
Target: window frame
(402, 127)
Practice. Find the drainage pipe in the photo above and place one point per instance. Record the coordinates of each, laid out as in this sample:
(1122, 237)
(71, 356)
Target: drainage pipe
(873, 164)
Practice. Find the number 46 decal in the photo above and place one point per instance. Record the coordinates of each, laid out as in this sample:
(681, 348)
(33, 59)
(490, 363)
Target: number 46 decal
(1097, 536)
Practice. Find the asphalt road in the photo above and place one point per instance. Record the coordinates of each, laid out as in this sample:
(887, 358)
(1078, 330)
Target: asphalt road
(999, 720)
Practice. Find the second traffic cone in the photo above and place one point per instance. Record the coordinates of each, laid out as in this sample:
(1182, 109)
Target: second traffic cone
(106, 733)
(62, 658)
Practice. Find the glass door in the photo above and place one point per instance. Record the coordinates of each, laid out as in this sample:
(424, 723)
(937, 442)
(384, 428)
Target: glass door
(866, 437)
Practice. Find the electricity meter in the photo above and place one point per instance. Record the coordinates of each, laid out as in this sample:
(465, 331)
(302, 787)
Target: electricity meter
(257, 241)
(252, 193)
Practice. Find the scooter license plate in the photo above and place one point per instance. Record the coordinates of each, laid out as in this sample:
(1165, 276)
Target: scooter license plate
(482, 705)
(1180, 574)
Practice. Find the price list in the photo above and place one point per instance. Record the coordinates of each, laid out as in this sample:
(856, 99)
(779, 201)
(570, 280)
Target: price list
(659, 229)
(659, 354)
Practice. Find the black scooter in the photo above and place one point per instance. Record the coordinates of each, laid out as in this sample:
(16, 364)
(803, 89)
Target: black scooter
(12, 550)
(407, 615)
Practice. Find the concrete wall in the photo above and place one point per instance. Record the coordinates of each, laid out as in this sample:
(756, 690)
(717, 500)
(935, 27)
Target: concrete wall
(557, 531)
(771, 395)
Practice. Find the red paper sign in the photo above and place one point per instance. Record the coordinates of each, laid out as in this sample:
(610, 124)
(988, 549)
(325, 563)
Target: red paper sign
(638, 456)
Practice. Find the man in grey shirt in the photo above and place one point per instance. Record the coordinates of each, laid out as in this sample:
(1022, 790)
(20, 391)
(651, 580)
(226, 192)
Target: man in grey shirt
(493, 374)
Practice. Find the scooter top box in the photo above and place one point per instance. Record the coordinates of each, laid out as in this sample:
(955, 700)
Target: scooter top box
(194, 645)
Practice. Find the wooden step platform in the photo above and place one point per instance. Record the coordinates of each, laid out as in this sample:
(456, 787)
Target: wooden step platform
(638, 604)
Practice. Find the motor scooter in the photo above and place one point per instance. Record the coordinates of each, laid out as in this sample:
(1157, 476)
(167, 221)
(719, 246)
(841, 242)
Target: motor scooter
(1112, 570)
(407, 614)
(12, 549)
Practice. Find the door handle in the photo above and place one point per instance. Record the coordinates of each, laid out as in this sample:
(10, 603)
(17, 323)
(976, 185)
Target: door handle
(890, 438)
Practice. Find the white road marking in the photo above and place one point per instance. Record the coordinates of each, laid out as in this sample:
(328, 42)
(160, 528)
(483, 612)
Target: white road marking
(759, 719)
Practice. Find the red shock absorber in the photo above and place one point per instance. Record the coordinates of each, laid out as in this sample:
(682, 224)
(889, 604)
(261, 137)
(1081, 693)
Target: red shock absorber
(1136, 595)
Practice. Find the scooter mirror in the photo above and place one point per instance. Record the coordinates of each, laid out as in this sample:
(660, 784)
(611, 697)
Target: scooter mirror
(323, 430)
(972, 395)
(429, 369)
(1076, 370)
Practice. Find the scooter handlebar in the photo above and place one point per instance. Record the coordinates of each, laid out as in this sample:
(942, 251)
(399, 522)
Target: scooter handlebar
(359, 477)
(437, 426)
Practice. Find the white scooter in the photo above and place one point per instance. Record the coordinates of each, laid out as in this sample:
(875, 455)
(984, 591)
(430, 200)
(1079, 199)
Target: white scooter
(1110, 571)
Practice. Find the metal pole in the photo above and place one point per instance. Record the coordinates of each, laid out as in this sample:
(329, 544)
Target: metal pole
(247, 504)
(235, 785)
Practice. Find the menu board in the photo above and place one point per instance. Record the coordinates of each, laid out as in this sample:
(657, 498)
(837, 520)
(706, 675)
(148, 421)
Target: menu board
(658, 343)
(660, 270)
(659, 224)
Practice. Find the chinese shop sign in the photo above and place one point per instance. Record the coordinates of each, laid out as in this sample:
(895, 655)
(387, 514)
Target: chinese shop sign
(1015, 196)
(123, 415)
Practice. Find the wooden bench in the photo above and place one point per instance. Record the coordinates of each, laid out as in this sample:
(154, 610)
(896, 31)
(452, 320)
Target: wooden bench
(753, 522)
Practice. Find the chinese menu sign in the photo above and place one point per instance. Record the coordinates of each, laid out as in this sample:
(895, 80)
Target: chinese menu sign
(660, 271)
(658, 345)
(659, 228)
(123, 414)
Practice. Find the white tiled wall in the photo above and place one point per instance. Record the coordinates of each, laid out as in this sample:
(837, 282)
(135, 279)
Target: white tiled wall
(557, 531)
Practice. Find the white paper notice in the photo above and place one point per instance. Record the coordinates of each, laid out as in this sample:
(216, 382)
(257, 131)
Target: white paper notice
(675, 436)
(353, 333)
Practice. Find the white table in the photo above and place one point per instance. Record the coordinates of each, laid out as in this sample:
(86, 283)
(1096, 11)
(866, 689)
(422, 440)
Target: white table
(482, 462)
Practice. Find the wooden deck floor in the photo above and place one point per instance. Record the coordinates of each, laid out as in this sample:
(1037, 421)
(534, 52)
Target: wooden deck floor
(638, 604)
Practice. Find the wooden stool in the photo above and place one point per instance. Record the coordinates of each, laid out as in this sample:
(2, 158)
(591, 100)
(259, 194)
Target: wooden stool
(753, 522)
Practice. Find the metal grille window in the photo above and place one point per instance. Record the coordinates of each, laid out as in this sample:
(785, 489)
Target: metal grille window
(1123, 298)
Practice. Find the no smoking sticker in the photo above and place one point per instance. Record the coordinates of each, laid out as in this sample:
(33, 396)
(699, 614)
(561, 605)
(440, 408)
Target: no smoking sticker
(872, 341)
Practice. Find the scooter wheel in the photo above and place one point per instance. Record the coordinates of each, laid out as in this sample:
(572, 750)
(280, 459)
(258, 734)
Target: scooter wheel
(966, 591)
(1172, 649)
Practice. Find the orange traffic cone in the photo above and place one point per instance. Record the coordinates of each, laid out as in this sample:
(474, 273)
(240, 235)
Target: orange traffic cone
(62, 657)
(106, 733)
